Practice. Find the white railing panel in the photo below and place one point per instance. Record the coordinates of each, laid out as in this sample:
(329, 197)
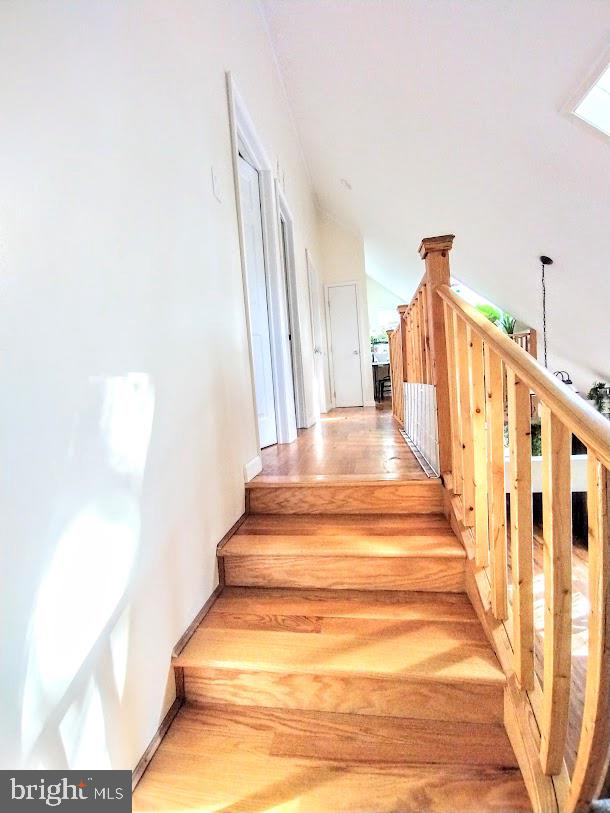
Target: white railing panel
(420, 421)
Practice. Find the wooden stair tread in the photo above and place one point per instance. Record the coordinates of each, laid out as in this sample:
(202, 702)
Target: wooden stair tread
(245, 760)
(427, 648)
(351, 737)
(281, 535)
(363, 545)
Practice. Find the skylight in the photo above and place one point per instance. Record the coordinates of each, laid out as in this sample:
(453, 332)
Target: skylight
(595, 107)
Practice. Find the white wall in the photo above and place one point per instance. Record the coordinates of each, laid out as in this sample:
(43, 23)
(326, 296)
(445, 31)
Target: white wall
(126, 416)
(342, 253)
(382, 304)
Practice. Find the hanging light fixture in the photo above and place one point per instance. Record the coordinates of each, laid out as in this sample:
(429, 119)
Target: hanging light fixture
(544, 261)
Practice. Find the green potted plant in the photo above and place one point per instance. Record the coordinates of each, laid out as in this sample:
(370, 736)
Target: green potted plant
(507, 323)
(599, 395)
(501, 319)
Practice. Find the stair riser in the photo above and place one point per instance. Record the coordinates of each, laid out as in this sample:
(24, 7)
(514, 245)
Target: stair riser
(432, 700)
(415, 497)
(356, 573)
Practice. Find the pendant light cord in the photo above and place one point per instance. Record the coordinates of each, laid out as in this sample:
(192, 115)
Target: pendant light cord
(544, 315)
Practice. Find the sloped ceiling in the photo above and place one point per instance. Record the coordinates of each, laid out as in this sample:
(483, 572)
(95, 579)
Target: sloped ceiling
(445, 116)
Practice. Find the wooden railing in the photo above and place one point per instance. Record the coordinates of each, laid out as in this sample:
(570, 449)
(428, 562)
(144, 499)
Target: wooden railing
(528, 340)
(396, 373)
(420, 332)
(477, 370)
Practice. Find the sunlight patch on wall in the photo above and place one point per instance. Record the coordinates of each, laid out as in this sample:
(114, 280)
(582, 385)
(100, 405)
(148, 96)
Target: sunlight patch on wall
(119, 646)
(80, 591)
(93, 557)
(126, 421)
(83, 732)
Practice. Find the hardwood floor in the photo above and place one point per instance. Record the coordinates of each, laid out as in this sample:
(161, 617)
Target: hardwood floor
(346, 443)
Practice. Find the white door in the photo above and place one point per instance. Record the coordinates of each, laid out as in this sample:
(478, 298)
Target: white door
(317, 338)
(345, 344)
(256, 284)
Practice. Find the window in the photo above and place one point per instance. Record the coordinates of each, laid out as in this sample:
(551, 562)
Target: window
(595, 107)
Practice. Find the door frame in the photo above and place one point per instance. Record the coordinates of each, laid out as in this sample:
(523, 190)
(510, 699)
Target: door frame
(244, 137)
(331, 368)
(318, 324)
(292, 299)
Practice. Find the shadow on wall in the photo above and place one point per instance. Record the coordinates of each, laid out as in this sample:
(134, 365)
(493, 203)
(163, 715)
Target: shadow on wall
(75, 653)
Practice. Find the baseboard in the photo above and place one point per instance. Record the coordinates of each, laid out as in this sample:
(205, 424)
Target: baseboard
(252, 468)
(147, 756)
(370, 403)
(188, 633)
(175, 707)
(230, 532)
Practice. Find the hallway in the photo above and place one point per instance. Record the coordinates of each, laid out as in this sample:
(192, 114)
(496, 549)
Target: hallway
(348, 444)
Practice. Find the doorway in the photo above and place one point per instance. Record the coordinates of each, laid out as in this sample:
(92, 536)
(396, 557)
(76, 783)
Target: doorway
(345, 351)
(286, 238)
(267, 257)
(256, 288)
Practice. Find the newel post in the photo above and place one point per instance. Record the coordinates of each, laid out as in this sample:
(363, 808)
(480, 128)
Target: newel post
(435, 252)
(402, 309)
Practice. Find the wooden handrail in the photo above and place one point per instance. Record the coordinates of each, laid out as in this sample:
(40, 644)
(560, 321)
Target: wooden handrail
(579, 416)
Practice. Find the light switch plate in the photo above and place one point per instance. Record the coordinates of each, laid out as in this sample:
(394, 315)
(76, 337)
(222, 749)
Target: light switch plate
(216, 186)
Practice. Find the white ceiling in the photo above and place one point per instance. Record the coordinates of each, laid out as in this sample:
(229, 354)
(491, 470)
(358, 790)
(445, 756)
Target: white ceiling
(446, 116)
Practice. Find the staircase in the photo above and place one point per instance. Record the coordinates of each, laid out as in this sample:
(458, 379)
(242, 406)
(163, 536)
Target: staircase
(341, 669)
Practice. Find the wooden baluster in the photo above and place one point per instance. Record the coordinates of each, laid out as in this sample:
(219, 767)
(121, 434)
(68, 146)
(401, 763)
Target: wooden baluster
(557, 530)
(461, 358)
(425, 337)
(393, 362)
(592, 756)
(479, 446)
(520, 445)
(416, 340)
(413, 378)
(409, 324)
(494, 390)
(420, 344)
(456, 437)
(533, 343)
(416, 343)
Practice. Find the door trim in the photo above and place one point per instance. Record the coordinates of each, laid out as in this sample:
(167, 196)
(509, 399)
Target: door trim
(331, 368)
(292, 298)
(318, 320)
(244, 136)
